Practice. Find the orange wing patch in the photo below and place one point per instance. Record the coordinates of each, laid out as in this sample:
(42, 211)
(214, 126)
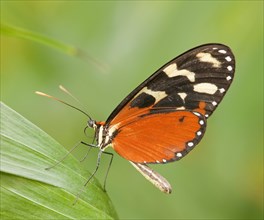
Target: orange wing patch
(201, 109)
(160, 137)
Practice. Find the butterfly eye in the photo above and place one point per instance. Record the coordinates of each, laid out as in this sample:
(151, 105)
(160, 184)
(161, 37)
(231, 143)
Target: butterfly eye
(91, 123)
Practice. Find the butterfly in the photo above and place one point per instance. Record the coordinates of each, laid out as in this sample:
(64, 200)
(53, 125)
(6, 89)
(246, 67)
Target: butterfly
(165, 117)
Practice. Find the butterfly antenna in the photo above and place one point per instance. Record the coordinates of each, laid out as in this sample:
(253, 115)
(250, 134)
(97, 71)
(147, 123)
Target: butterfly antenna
(62, 88)
(65, 103)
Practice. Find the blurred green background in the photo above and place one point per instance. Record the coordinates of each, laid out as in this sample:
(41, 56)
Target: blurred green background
(223, 176)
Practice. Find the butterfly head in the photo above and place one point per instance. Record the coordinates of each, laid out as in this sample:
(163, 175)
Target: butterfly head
(92, 124)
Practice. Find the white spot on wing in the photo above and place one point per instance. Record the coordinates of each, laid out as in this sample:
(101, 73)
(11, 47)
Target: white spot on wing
(172, 71)
(197, 113)
(179, 154)
(190, 144)
(228, 58)
(180, 108)
(207, 58)
(158, 95)
(182, 95)
(201, 122)
(230, 68)
(214, 103)
(228, 78)
(222, 51)
(208, 88)
(222, 90)
(199, 133)
(164, 161)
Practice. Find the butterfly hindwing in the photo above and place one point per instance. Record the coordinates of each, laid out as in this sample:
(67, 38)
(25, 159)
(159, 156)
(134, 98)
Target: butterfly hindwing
(159, 137)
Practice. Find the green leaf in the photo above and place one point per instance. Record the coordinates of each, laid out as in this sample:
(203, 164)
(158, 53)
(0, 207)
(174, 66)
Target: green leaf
(29, 191)
(68, 49)
(33, 36)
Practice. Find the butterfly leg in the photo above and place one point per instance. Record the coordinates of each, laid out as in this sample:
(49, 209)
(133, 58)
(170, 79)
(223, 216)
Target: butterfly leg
(98, 162)
(71, 150)
(97, 166)
(155, 178)
(90, 147)
(109, 165)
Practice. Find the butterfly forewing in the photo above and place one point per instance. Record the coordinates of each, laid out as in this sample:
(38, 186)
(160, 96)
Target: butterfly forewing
(196, 80)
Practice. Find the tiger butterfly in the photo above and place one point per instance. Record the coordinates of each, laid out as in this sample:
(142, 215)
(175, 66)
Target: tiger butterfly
(165, 117)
